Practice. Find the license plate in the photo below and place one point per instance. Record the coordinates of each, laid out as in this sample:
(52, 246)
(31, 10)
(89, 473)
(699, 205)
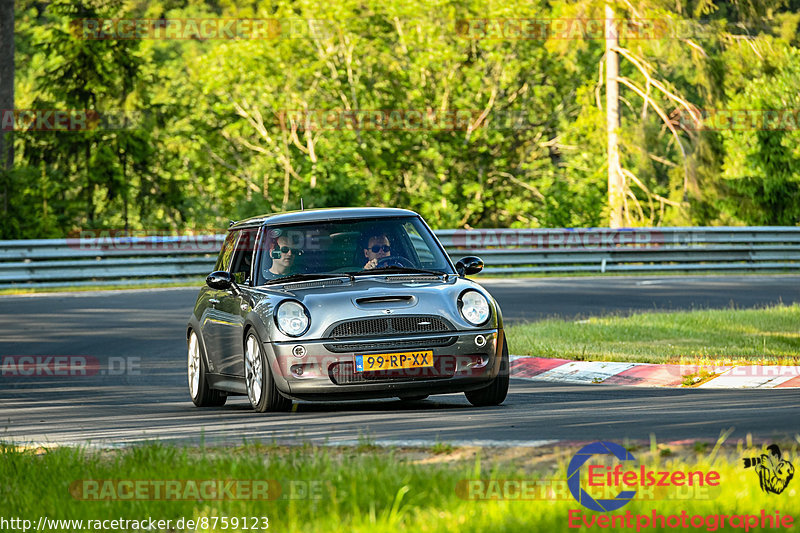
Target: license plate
(393, 361)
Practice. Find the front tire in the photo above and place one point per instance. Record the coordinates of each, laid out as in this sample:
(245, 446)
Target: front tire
(497, 390)
(202, 395)
(261, 389)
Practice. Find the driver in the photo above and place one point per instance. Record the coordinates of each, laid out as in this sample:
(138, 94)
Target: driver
(378, 247)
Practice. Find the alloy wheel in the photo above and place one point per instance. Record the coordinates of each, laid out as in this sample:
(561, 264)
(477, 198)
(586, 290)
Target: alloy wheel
(253, 370)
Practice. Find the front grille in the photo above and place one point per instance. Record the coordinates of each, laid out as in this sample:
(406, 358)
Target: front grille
(394, 325)
(430, 342)
(345, 374)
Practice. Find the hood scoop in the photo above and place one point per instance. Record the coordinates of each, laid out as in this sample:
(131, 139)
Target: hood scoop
(386, 301)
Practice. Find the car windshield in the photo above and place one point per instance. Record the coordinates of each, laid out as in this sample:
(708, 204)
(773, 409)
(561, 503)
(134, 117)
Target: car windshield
(349, 247)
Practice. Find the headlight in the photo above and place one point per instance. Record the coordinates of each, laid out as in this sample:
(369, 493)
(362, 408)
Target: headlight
(474, 307)
(292, 318)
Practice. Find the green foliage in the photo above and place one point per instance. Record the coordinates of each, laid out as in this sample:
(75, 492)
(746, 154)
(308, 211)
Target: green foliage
(762, 166)
(213, 142)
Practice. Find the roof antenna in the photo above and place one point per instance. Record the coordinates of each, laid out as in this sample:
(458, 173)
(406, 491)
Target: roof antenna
(301, 204)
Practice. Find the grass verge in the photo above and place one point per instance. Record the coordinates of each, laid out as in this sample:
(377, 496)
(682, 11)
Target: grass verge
(725, 336)
(375, 490)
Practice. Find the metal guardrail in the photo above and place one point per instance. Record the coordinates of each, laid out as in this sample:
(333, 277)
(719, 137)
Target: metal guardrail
(109, 259)
(761, 248)
(115, 260)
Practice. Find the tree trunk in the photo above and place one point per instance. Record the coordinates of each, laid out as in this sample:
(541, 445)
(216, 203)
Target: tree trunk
(6, 89)
(89, 185)
(123, 158)
(615, 182)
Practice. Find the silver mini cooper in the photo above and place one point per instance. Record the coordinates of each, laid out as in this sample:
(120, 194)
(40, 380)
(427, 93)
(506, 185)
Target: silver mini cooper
(342, 304)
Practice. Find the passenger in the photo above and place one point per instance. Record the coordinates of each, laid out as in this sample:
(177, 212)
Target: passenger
(283, 259)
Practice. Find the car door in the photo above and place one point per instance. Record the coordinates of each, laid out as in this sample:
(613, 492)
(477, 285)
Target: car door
(234, 305)
(222, 318)
(212, 316)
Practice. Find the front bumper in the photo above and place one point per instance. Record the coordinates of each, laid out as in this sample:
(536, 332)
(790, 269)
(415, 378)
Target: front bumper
(327, 370)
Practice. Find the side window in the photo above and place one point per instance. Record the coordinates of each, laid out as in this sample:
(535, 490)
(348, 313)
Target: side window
(243, 256)
(224, 259)
(423, 252)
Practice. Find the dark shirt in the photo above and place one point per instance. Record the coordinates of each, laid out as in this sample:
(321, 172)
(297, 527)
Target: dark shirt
(268, 275)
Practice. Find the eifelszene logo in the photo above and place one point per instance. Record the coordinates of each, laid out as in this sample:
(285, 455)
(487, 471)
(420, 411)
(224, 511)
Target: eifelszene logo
(774, 472)
(606, 479)
(574, 476)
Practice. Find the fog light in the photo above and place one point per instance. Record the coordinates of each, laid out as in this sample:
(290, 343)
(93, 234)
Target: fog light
(473, 361)
(480, 341)
(299, 351)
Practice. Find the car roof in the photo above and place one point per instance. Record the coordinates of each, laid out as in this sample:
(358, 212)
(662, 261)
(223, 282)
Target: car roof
(320, 215)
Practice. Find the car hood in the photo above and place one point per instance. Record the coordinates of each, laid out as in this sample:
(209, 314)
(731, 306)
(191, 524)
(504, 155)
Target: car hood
(373, 296)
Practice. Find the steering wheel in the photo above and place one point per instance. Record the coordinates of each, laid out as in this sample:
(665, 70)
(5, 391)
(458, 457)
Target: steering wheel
(394, 260)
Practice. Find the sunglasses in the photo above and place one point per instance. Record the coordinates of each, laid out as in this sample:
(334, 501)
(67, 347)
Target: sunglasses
(276, 253)
(377, 248)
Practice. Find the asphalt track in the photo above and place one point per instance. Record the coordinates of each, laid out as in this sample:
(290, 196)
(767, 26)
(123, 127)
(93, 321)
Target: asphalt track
(140, 392)
(532, 299)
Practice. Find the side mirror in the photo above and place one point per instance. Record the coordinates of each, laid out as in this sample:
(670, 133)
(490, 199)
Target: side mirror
(220, 280)
(469, 265)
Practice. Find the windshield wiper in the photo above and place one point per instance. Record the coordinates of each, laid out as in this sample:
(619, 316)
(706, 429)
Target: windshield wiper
(306, 277)
(394, 269)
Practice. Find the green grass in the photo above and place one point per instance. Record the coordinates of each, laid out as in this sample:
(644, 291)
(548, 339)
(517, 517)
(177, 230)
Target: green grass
(442, 448)
(365, 491)
(765, 336)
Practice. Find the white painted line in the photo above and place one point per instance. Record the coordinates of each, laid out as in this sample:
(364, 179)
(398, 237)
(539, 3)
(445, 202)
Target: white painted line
(383, 443)
(777, 381)
(426, 443)
(583, 372)
(752, 377)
